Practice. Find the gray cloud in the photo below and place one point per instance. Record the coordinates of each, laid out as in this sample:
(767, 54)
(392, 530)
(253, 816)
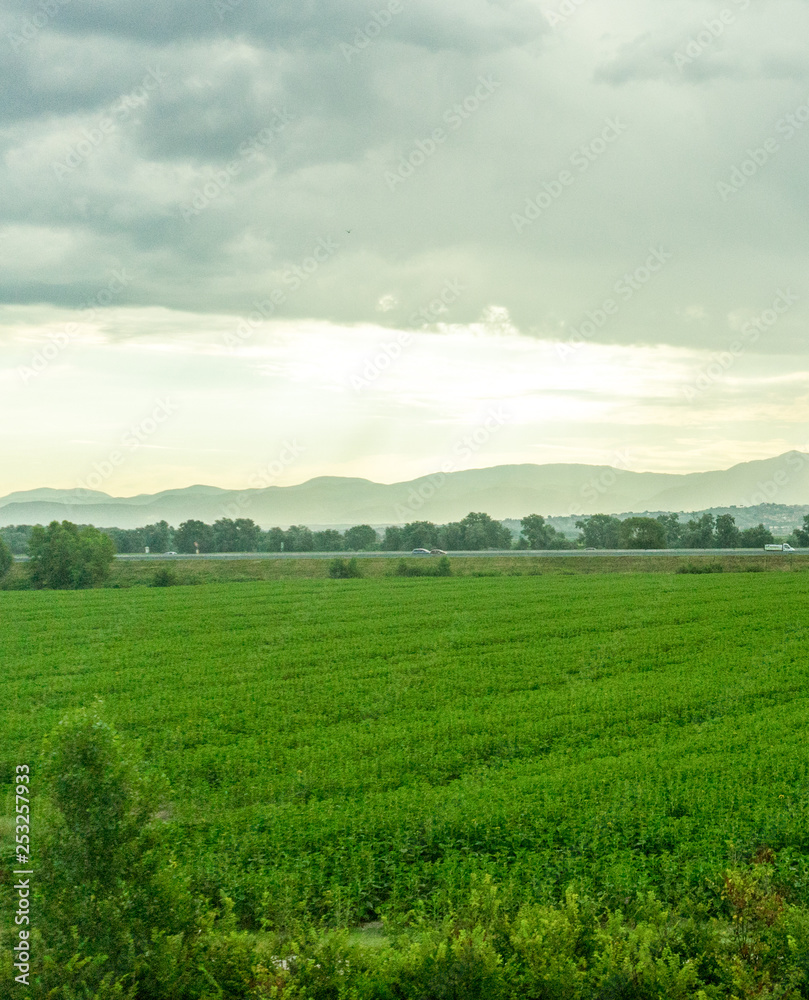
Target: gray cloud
(263, 134)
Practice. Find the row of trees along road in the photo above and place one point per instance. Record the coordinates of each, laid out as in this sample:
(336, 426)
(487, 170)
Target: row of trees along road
(666, 531)
(65, 555)
(478, 531)
(475, 531)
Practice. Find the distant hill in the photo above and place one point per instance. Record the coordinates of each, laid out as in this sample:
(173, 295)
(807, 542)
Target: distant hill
(781, 519)
(504, 491)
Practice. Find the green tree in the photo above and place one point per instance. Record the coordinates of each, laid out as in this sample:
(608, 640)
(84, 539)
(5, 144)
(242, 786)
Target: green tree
(450, 536)
(6, 558)
(158, 536)
(328, 540)
(225, 535)
(394, 539)
(699, 533)
(802, 534)
(17, 537)
(272, 540)
(756, 538)
(114, 917)
(727, 534)
(600, 531)
(126, 539)
(419, 535)
(361, 538)
(241, 535)
(642, 533)
(540, 535)
(248, 534)
(191, 532)
(672, 528)
(299, 538)
(480, 531)
(65, 556)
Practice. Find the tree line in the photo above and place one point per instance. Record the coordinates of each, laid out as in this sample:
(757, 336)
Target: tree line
(475, 532)
(666, 531)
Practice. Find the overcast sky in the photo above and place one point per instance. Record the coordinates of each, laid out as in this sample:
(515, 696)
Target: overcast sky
(339, 238)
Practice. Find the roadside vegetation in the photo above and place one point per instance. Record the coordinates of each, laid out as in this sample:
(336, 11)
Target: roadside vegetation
(475, 532)
(196, 570)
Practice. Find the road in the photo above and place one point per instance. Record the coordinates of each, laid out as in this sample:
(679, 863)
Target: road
(516, 553)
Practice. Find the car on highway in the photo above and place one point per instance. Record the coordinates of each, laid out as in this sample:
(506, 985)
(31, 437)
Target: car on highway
(421, 552)
(437, 552)
(170, 553)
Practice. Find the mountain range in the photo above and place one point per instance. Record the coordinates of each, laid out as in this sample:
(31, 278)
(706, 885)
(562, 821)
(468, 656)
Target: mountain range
(503, 491)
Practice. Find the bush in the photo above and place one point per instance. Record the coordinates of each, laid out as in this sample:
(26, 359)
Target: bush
(701, 568)
(339, 569)
(115, 915)
(411, 568)
(164, 577)
(66, 557)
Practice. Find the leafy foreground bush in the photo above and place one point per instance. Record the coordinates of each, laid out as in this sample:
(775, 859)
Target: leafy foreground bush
(115, 920)
(758, 947)
(164, 578)
(113, 916)
(411, 568)
(339, 569)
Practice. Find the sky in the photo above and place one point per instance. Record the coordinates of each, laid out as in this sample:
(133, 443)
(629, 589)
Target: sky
(340, 237)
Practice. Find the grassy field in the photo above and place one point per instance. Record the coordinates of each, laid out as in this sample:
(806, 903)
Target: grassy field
(345, 749)
(197, 570)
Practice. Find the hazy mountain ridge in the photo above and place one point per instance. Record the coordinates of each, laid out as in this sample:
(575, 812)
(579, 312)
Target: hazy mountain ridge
(506, 491)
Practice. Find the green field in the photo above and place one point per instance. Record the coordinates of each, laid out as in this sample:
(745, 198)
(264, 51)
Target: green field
(341, 750)
(193, 570)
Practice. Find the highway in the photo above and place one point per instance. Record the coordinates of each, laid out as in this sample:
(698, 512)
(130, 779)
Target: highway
(485, 554)
(489, 553)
